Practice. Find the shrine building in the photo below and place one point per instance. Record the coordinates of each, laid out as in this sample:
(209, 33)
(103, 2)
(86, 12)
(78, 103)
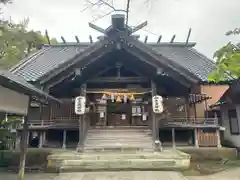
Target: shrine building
(119, 75)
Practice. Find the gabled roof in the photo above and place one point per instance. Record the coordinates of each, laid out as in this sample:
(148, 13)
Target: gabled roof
(53, 56)
(14, 82)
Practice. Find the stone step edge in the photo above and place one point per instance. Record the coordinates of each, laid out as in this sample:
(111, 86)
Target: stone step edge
(119, 158)
(123, 164)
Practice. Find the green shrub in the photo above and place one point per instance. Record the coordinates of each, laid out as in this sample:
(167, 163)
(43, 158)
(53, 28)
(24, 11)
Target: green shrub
(215, 154)
(35, 157)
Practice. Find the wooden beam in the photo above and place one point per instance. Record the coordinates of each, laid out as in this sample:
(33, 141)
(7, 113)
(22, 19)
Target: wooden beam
(97, 28)
(76, 37)
(173, 37)
(146, 38)
(188, 36)
(63, 40)
(159, 39)
(118, 80)
(90, 39)
(140, 26)
(47, 36)
(136, 90)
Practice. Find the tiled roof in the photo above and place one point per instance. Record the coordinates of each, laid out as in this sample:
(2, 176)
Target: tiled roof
(50, 57)
(10, 80)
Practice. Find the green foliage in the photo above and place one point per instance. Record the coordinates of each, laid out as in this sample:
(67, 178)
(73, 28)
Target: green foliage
(16, 42)
(228, 63)
(6, 136)
(35, 157)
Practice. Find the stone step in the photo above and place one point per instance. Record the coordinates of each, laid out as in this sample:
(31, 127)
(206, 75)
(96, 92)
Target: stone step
(73, 155)
(121, 127)
(113, 129)
(119, 133)
(71, 161)
(115, 137)
(117, 141)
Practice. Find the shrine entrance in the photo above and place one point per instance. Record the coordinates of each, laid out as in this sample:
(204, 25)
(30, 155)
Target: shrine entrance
(118, 114)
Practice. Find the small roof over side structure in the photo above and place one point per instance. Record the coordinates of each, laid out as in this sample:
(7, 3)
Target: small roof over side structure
(15, 94)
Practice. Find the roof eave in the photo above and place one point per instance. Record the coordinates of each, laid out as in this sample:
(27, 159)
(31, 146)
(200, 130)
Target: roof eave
(8, 83)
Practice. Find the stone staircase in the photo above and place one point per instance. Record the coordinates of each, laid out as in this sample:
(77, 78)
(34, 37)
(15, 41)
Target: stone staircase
(118, 139)
(115, 149)
(72, 161)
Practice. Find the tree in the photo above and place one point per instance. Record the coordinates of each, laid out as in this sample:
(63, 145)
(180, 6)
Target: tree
(227, 61)
(16, 42)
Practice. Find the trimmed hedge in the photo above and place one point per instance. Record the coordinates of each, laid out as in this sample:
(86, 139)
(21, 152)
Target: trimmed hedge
(35, 158)
(215, 154)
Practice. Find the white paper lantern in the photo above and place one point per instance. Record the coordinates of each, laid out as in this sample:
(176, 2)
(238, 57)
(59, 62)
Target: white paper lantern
(80, 103)
(157, 104)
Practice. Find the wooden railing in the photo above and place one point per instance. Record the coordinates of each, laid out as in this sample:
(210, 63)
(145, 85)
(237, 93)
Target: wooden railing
(194, 121)
(53, 123)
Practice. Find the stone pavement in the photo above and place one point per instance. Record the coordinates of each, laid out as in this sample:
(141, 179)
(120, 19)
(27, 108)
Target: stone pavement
(233, 174)
(124, 175)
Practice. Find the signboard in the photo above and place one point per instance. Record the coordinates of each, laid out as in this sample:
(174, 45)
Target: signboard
(157, 104)
(80, 103)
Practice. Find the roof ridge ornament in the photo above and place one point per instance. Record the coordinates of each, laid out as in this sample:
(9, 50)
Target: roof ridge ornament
(118, 25)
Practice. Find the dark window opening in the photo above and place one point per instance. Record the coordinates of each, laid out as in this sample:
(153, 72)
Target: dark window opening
(233, 121)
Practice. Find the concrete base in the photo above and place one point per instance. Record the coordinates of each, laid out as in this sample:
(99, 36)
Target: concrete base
(115, 161)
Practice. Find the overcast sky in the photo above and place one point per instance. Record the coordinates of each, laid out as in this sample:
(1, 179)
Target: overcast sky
(209, 19)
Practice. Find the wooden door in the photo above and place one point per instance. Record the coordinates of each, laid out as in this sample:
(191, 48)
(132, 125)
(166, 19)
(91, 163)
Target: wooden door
(114, 119)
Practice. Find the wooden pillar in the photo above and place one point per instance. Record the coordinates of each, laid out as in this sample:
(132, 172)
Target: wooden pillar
(238, 112)
(173, 138)
(196, 137)
(81, 123)
(64, 139)
(44, 138)
(41, 113)
(218, 138)
(18, 141)
(40, 140)
(195, 112)
(24, 145)
(206, 108)
(186, 110)
(155, 123)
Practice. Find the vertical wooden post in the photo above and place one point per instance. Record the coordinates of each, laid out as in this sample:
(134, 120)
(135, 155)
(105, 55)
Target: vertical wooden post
(196, 137)
(186, 106)
(40, 140)
(154, 93)
(206, 108)
(155, 123)
(173, 138)
(218, 138)
(24, 145)
(64, 139)
(238, 112)
(41, 113)
(195, 112)
(81, 123)
(44, 138)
